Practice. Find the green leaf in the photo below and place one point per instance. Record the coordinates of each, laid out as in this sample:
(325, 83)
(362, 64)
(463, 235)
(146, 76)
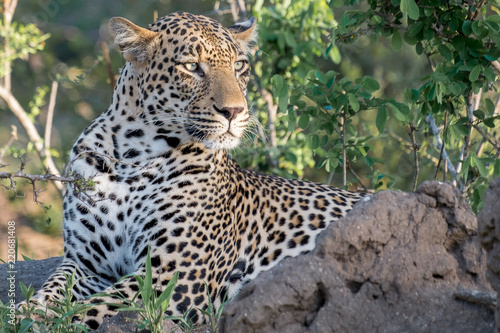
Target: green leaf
(314, 142)
(414, 29)
(496, 168)
(474, 73)
(490, 122)
(490, 106)
(290, 39)
(304, 121)
(445, 52)
(480, 166)
(479, 114)
(462, 129)
(291, 157)
(353, 101)
(371, 84)
(166, 295)
(467, 27)
(381, 121)
(439, 77)
(465, 169)
(410, 8)
(280, 91)
(419, 48)
(396, 40)
(334, 54)
(399, 116)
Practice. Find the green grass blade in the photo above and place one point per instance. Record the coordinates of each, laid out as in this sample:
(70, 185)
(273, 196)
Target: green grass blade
(164, 298)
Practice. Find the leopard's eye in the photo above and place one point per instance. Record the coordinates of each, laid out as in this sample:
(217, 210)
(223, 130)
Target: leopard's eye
(239, 65)
(191, 66)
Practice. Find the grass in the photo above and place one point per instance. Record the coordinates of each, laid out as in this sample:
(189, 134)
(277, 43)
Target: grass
(149, 303)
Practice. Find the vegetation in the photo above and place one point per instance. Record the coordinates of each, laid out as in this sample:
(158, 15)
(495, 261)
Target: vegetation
(449, 112)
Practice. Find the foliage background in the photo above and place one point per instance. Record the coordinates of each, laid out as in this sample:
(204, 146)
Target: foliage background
(291, 77)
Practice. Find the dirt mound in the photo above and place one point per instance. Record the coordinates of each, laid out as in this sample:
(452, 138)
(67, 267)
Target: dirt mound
(397, 263)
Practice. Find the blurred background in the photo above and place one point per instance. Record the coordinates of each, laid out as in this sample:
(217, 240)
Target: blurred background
(73, 56)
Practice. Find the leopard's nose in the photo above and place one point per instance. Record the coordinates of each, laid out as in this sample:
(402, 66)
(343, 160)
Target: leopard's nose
(230, 113)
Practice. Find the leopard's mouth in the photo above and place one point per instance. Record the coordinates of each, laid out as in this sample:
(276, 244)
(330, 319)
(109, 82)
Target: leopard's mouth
(216, 134)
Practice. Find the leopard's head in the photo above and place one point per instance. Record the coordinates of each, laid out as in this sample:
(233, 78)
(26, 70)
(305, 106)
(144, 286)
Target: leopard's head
(192, 75)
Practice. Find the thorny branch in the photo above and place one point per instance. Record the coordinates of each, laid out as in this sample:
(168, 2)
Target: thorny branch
(80, 184)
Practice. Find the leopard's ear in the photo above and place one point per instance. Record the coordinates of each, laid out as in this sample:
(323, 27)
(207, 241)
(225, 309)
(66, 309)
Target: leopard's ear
(136, 43)
(245, 33)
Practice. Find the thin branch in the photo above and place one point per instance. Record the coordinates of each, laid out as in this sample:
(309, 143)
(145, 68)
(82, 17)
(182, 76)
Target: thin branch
(408, 148)
(357, 177)
(415, 147)
(496, 65)
(497, 105)
(50, 117)
(432, 122)
(9, 9)
(107, 61)
(242, 8)
(442, 146)
(472, 104)
(494, 143)
(272, 110)
(480, 148)
(234, 10)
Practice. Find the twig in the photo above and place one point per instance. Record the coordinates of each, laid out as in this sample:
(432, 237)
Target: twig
(495, 144)
(472, 103)
(445, 170)
(496, 65)
(480, 148)
(271, 111)
(234, 10)
(107, 61)
(357, 177)
(497, 105)
(50, 116)
(242, 7)
(432, 122)
(9, 7)
(408, 147)
(415, 147)
(442, 146)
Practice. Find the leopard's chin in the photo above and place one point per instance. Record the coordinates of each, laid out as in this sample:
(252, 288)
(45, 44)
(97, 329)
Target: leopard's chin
(224, 141)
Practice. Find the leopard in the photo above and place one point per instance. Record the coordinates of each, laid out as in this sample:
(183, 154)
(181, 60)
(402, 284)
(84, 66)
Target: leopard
(164, 185)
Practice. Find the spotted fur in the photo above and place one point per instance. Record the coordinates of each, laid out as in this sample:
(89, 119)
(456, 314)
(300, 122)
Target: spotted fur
(164, 180)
